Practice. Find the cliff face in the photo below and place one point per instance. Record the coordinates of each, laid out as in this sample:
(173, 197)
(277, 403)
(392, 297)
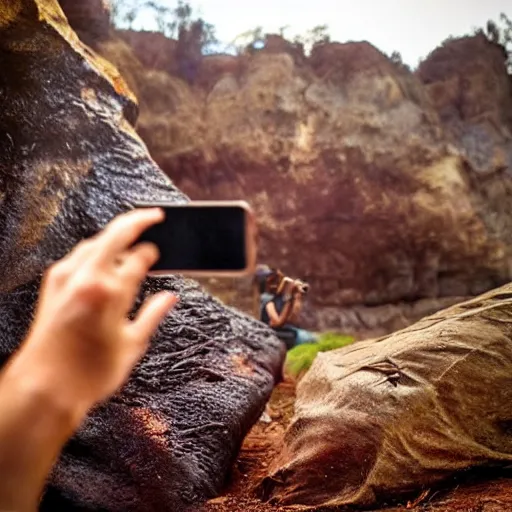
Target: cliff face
(388, 191)
(472, 94)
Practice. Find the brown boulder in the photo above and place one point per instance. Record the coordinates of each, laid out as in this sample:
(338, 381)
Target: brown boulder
(381, 419)
(70, 160)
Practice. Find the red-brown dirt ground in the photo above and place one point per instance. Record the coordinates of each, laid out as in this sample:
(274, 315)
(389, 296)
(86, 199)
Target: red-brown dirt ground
(488, 492)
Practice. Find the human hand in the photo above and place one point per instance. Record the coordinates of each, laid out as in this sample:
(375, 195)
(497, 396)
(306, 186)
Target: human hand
(81, 336)
(297, 296)
(297, 302)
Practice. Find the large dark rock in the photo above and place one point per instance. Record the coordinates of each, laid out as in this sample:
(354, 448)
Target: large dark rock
(381, 419)
(70, 161)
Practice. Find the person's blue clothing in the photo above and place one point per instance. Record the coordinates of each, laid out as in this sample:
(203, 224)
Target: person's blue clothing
(301, 335)
(267, 298)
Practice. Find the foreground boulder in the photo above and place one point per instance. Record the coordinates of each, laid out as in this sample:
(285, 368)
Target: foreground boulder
(69, 162)
(380, 419)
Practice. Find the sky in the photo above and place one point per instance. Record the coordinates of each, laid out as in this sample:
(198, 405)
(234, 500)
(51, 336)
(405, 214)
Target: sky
(412, 27)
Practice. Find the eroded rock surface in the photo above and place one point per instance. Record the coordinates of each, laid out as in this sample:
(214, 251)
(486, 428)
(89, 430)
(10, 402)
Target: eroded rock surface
(381, 419)
(389, 191)
(70, 161)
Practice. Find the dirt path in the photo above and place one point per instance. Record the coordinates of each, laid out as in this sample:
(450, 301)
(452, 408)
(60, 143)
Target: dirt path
(263, 442)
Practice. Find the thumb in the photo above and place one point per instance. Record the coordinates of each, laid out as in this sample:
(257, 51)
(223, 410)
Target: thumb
(151, 314)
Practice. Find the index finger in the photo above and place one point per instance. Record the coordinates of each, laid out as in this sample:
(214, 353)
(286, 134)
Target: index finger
(125, 230)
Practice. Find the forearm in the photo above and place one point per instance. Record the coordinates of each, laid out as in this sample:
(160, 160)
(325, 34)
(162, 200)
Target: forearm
(285, 314)
(297, 305)
(35, 423)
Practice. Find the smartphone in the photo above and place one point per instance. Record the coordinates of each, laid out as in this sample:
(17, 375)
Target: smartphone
(203, 238)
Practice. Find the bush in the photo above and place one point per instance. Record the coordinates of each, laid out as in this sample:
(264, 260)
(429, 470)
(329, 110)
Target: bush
(301, 357)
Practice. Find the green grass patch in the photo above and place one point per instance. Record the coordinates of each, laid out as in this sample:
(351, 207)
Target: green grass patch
(300, 358)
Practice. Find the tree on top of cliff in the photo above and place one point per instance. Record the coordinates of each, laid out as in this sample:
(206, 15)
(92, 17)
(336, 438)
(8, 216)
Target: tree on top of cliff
(249, 40)
(181, 22)
(194, 36)
(500, 33)
(255, 39)
(396, 59)
(317, 35)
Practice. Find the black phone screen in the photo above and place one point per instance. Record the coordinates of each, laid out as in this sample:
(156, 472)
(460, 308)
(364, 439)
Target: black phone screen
(200, 238)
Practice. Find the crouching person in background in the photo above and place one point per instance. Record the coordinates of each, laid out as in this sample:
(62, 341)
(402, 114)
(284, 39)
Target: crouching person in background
(280, 304)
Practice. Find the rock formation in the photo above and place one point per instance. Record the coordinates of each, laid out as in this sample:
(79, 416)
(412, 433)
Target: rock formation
(70, 161)
(381, 419)
(389, 191)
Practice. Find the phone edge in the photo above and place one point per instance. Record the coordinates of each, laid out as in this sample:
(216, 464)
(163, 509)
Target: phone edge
(250, 241)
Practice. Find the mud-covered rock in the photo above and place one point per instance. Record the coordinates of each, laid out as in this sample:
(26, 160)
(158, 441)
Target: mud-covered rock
(380, 419)
(70, 161)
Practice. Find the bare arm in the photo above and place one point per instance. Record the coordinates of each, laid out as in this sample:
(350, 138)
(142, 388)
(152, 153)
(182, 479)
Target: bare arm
(35, 423)
(80, 350)
(278, 320)
(297, 305)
